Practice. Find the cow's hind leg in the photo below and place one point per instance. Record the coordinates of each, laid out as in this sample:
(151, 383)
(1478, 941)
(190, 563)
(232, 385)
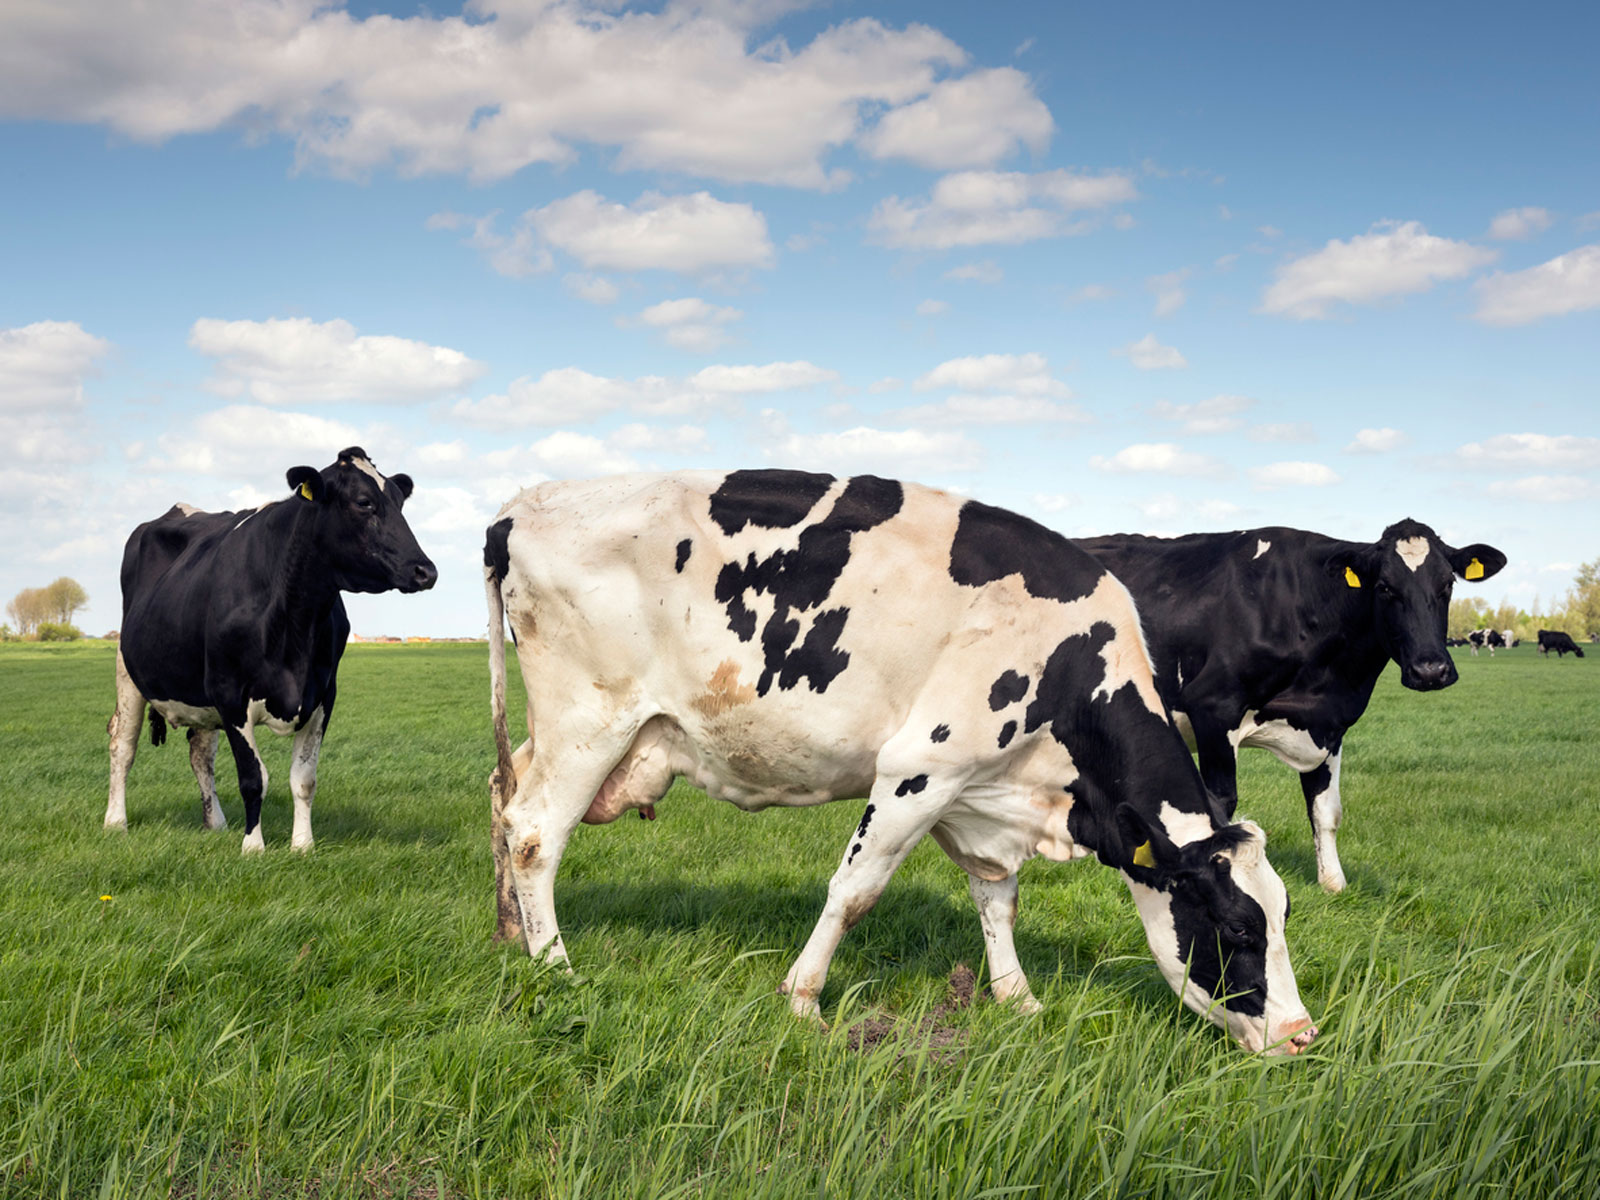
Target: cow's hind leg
(997, 910)
(581, 768)
(252, 782)
(203, 762)
(303, 775)
(1323, 806)
(124, 728)
(902, 808)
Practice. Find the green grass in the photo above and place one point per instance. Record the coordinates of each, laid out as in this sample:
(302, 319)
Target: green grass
(340, 1025)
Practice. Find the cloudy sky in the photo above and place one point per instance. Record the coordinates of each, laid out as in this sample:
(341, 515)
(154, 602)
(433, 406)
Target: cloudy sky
(1155, 267)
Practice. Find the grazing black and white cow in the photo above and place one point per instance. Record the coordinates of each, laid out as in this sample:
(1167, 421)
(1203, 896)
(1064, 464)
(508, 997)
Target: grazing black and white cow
(234, 619)
(1486, 639)
(1276, 637)
(1554, 639)
(784, 638)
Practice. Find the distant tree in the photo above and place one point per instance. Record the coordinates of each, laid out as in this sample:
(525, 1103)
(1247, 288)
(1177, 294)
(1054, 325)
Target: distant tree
(58, 631)
(65, 596)
(1466, 614)
(27, 608)
(1583, 601)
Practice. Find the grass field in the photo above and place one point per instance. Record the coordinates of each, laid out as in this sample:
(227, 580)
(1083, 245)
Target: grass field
(340, 1025)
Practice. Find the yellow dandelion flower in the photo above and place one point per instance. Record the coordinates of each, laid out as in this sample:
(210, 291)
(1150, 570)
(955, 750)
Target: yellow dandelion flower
(105, 898)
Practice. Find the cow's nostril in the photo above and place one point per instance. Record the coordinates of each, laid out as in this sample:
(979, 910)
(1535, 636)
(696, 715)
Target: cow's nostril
(426, 574)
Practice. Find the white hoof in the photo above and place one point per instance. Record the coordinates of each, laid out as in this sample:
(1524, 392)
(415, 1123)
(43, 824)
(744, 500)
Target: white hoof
(1332, 883)
(117, 826)
(253, 843)
(302, 847)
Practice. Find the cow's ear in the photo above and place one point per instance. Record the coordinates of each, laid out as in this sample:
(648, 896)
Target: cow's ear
(1147, 852)
(1476, 562)
(307, 481)
(1352, 567)
(403, 485)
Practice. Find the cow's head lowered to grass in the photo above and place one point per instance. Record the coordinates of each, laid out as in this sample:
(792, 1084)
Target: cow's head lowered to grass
(1407, 577)
(1214, 912)
(359, 530)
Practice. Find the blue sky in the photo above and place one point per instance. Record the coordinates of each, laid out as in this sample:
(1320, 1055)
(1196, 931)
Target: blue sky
(1154, 267)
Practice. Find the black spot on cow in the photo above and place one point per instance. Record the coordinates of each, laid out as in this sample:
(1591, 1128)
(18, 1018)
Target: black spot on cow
(866, 819)
(854, 850)
(769, 499)
(1008, 689)
(910, 787)
(1007, 732)
(158, 729)
(683, 554)
(940, 733)
(1222, 934)
(801, 579)
(496, 554)
(991, 543)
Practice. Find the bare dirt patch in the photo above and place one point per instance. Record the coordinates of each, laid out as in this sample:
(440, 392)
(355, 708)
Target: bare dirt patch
(943, 1038)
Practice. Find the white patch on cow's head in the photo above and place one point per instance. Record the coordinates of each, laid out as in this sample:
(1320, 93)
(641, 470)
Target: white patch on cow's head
(1261, 548)
(1412, 551)
(367, 468)
(187, 510)
(1184, 827)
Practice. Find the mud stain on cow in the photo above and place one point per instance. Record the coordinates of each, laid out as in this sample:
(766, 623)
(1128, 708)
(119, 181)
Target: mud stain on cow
(723, 691)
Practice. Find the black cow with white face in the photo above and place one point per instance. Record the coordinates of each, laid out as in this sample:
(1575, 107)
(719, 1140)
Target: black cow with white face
(234, 619)
(783, 638)
(1276, 637)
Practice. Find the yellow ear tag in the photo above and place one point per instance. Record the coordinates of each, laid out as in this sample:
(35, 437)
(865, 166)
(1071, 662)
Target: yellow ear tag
(305, 489)
(1474, 570)
(1351, 577)
(1143, 858)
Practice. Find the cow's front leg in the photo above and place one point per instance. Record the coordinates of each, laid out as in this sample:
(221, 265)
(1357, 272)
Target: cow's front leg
(124, 728)
(1323, 806)
(203, 762)
(997, 910)
(252, 782)
(902, 808)
(303, 775)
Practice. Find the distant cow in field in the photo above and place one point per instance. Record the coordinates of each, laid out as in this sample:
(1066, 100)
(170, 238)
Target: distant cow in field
(234, 619)
(783, 638)
(1508, 638)
(1554, 639)
(1276, 637)
(1478, 639)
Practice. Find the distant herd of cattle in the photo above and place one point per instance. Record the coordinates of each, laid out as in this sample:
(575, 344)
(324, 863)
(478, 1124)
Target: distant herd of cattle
(786, 638)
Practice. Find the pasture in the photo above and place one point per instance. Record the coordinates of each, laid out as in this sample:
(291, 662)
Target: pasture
(176, 1020)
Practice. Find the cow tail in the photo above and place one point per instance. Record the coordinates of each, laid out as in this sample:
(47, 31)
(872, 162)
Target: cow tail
(503, 783)
(158, 729)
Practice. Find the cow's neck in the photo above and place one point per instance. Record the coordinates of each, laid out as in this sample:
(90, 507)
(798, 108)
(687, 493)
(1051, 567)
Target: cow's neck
(298, 584)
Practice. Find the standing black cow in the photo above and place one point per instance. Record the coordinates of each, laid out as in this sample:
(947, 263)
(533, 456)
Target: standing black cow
(1554, 639)
(1276, 637)
(234, 619)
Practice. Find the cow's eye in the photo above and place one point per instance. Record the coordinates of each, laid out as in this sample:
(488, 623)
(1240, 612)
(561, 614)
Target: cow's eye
(365, 505)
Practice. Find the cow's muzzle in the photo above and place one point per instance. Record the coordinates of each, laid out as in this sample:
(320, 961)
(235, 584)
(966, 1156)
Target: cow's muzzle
(423, 576)
(1429, 675)
(1293, 1037)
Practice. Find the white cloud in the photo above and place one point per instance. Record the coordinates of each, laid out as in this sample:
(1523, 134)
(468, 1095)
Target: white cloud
(570, 394)
(932, 308)
(1394, 259)
(688, 88)
(43, 366)
(895, 453)
(1518, 224)
(1055, 502)
(1022, 374)
(660, 439)
(294, 360)
(1293, 474)
(691, 323)
(992, 410)
(973, 121)
(975, 208)
(1568, 451)
(1150, 355)
(1159, 458)
(1376, 441)
(1091, 292)
(985, 271)
(689, 233)
(516, 255)
(1567, 283)
(1168, 288)
(596, 289)
(1166, 506)
(1219, 414)
(567, 455)
(256, 443)
(1546, 489)
(753, 380)
(1282, 431)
